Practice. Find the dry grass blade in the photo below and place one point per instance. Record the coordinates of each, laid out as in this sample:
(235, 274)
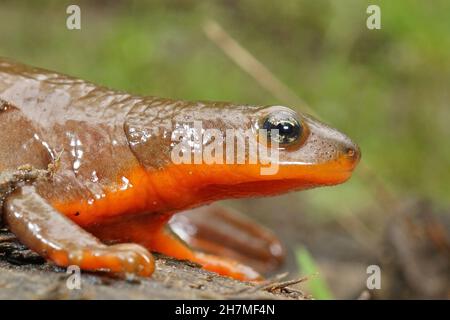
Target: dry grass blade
(259, 72)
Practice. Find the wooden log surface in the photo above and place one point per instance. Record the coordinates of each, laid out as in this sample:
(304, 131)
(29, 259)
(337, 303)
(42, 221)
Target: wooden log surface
(25, 275)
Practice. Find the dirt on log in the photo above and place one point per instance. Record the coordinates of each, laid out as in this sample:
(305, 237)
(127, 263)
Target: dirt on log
(25, 275)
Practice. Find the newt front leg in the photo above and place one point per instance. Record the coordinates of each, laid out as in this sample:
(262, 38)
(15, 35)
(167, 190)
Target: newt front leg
(40, 227)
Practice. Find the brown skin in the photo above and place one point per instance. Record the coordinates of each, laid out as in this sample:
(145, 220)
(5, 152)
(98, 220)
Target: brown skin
(108, 154)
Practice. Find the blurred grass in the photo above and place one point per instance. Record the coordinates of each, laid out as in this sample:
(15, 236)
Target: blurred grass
(387, 89)
(317, 286)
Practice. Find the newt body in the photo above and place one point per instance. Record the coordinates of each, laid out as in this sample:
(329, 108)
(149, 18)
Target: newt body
(112, 173)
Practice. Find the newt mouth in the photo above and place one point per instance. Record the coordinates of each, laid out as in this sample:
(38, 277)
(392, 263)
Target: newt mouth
(271, 187)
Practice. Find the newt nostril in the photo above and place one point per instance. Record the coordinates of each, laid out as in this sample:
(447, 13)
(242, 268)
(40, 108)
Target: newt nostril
(353, 153)
(350, 152)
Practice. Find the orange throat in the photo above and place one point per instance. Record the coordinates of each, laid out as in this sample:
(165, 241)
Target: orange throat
(179, 187)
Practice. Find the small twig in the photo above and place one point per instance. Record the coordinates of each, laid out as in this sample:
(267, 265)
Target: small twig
(272, 285)
(282, 285)
(262, 284)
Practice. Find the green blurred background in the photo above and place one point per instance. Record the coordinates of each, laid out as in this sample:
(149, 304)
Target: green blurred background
(388, 89)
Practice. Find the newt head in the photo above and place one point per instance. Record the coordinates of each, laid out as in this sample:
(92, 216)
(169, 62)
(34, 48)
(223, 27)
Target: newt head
(218, 151)
(310, 153)
(302, 153)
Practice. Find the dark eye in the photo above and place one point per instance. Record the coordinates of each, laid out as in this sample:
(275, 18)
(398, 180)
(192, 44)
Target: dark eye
(289, 128)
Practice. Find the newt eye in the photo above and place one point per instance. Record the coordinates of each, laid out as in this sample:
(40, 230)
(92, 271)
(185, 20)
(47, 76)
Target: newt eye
(289, 127)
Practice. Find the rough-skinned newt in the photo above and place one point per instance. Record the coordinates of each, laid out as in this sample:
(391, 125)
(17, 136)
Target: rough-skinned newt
(112, 184)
